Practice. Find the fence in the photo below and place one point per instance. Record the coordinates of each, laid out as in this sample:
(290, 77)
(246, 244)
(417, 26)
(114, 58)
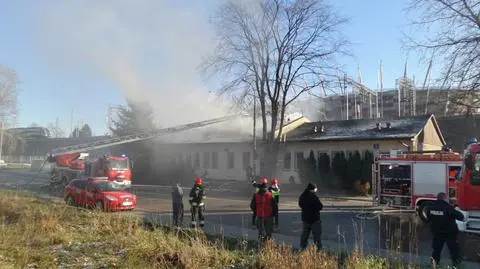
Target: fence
(22, 159)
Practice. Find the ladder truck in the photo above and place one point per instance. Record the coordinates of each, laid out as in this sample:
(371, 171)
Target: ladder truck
(72, 162)
(410, 180)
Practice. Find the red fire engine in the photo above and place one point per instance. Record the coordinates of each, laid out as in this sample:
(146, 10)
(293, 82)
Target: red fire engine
(69, 163)
(468, 189)
(409, 180)
(75, 165)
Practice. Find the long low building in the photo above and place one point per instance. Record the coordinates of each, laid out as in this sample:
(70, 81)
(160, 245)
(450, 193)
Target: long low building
(229, 156)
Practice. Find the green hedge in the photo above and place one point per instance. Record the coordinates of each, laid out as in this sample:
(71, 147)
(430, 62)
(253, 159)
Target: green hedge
(342, 171)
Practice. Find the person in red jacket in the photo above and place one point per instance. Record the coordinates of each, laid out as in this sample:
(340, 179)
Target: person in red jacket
(265, 207)
(263, 181)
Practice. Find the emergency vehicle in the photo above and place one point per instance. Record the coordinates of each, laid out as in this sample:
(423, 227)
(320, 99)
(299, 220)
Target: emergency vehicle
(75, 165)
(468, 189)
(409, 180)
(72, 162)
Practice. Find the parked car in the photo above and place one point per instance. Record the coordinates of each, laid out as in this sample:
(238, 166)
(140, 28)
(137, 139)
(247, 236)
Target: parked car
(101, 194)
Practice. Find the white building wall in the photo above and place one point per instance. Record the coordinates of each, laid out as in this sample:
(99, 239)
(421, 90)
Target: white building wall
(238, 172)
(222, 171)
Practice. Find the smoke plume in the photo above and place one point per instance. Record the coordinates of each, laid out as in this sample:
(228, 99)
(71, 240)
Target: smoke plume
(150, 49)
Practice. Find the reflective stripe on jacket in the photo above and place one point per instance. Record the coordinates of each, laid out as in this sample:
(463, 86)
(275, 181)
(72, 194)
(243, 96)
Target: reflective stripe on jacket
(275, 190)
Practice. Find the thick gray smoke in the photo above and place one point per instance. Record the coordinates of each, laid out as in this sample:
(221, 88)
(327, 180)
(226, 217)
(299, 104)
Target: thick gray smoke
(150, 49)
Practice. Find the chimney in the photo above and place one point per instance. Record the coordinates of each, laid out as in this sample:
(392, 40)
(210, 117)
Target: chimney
(389, 125)
(315, 129)
(322, 129)
(378, 126)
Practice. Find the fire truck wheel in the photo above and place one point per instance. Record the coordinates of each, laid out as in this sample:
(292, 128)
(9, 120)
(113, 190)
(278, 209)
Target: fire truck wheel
(422, 211)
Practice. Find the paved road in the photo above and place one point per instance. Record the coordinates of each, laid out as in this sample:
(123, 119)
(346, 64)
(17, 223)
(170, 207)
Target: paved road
(342, 228)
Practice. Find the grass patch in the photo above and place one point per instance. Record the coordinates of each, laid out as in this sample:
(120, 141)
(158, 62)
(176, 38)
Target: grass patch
(37, 233)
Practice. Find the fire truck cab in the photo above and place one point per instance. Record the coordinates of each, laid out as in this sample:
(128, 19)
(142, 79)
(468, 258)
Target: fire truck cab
(468, 189)
(410, 180)
(116, 169)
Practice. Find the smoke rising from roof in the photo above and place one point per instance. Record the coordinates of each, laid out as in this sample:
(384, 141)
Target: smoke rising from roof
(150, 49)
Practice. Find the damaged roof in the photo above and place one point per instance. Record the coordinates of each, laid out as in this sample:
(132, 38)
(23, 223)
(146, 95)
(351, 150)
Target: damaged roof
(362, 129)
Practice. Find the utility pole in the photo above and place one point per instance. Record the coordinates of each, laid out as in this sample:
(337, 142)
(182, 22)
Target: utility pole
(1, 138)
(424, 84)
(71, 123)
(346, 92)
(381, 87)
(377, 115)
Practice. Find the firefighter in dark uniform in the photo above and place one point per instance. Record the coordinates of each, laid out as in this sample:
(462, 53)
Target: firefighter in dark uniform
(263, 181)
(197, 197)
(265, 207)
(442, 217)
(275, 190)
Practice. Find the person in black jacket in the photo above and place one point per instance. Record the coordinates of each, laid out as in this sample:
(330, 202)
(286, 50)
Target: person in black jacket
(311, 206)
(177, 204)
(442, 217)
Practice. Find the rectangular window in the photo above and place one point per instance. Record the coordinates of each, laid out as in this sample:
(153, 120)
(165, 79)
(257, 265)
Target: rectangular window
(287, 161)
(298, 159)
(230, 160)
(214, 160)
(197, 160)
(246, 160)
(476, 171)
(206, 160)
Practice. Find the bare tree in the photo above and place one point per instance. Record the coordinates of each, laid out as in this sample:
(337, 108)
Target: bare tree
(450, 29)
(55, 130)
(8, 91)
(277, 50)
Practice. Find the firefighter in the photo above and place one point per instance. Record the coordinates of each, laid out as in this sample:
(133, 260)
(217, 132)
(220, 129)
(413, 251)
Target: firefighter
(265, 207)
(275, 190)
(177, 204)
(197, 196)
(263, 181)
(442, 217)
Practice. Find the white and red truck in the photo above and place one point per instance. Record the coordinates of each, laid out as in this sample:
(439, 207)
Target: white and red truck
(410, 180)
(76, 165)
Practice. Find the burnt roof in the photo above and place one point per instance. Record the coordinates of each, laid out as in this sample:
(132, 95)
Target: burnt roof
(362, 129)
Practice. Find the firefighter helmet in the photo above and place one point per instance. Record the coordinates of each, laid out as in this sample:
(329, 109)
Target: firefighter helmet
(264, 181)
(275, 181)
(198, 181)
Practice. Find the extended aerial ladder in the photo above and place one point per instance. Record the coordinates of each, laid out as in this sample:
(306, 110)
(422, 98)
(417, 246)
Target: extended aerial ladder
(137, 137)
(85, 147)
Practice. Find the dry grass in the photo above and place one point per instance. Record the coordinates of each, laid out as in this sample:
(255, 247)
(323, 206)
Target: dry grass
(36, 233)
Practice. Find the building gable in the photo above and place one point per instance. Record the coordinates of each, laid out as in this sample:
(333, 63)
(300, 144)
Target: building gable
(430, 137)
